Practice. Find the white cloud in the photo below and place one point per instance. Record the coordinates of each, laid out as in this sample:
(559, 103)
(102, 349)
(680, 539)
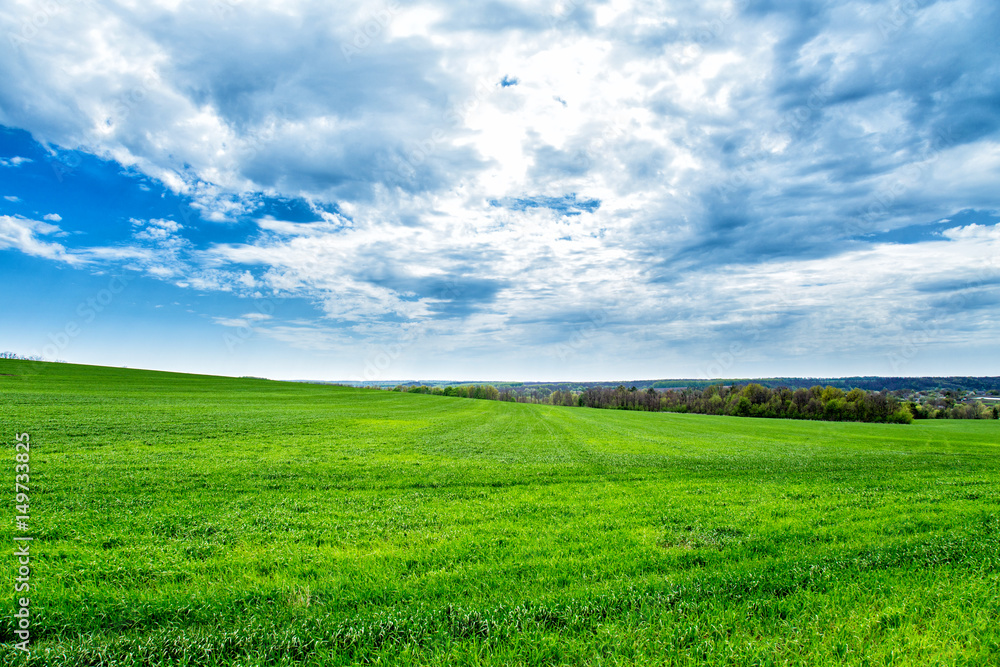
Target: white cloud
(52, 217)
(246, 278)
(737, 151)
(157, 230)
(23, 234)
(15, 161)
(663, 104)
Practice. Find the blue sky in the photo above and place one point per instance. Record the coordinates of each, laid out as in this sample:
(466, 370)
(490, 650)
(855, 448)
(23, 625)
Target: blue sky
(502, 190)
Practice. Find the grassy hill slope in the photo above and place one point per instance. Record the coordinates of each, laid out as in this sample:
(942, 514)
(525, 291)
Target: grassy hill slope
(195, 520)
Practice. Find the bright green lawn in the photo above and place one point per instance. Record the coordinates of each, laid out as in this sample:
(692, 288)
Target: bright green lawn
(196, 520)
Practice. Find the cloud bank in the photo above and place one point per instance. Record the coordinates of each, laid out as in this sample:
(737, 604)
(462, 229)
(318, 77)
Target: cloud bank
(786, 178)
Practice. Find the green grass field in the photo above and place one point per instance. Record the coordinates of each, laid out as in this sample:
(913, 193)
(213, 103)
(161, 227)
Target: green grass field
(185, 520)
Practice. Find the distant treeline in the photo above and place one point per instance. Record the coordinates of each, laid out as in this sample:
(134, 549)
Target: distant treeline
(882, 383)
(18, 357)
(868, 383)
(755, 400)
(751, 400)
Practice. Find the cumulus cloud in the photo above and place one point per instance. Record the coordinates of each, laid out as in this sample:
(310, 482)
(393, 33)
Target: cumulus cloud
(517, 166)
(157, 230)
(26, 235)
(675, 106)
